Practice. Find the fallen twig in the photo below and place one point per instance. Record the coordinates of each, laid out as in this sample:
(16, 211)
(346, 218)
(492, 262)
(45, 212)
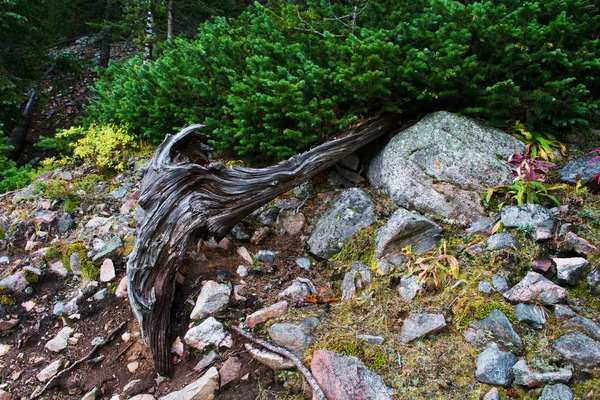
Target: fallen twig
(283, 352)
(76, 363)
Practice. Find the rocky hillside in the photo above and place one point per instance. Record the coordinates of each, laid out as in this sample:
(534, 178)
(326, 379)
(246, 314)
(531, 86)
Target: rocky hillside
(387, 275)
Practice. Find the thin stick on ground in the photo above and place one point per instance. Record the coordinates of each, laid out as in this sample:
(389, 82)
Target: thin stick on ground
(76, 363)
(285, 353)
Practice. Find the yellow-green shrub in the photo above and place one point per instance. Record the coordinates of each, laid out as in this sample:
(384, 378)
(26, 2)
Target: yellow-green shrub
(106, 146)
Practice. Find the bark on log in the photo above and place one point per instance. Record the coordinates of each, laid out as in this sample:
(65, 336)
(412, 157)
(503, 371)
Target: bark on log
(183, 197)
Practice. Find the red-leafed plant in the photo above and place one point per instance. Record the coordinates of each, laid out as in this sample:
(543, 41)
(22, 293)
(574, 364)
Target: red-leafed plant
(597, 158)
(528, 185)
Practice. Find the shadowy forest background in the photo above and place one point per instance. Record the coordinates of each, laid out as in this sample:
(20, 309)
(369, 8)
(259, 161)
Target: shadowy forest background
(273, 78)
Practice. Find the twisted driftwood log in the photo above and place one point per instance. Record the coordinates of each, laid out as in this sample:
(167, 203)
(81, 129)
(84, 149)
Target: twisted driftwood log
(184, 197)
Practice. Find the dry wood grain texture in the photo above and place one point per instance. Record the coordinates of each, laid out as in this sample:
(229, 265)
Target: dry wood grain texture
(185, 197)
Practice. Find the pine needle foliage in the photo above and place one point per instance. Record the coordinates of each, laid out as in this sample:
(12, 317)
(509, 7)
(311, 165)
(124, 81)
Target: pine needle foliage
(279, 78)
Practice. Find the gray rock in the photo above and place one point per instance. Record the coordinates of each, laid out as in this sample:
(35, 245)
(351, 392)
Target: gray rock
(107, 271)
(438, 165)
(418, 325)
(60, 341)
(291, 221)
(533, 315)
(409, 287)
(529, 216)
(260, 235)
(501, 241)
(75, 264)
(483, 226)
(134, 387)
(242, 271)
(572, 242)
(269, 216)
(579, 169)
(52, 369)
(335, 180)
(110, 249)
(569, 270)
(66, 223)
(210, 332)
(92, 394)
(266, 256)
(98, 244)
(120, 192)
(535, 288)
(556, 392)
(298, 290)
(349, 212)
(304, 263)
(206, 361)
(406, 228)
(485, 288)
(289, 203)
(347, 378)
(212, 299)
(271, 360)
(351, 162)
(14, 282)
(101, 294)
(578, 349)
(372, 340)
(524, 376)
(495, 367)
(4, 260)
(296, 337)
(240, 233)
(203, 388)
(357, 278)
(96, 222)
(304, 190)
(593, 278)
(494, 329)
(563, 312)
(58, 268)
(499, 284)
(59, 308)
(589, 326)
(475, 250)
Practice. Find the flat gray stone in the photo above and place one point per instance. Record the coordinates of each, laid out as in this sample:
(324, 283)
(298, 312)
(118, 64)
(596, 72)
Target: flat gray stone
(531, 314)
(60, 341)
(563, 312)
(372, 340)
(271, 360)
(419, 325)
(206, 361)
(66, 224)
(203, 388)
(569, 270)
(495, 367)
(590, 327)
(110, 249)
(501, 241)
(483, 226)
(485, 288)
(296, 337)
(556, 392)
(212, 299)
(52, 369)
(409, 287)
(535, 288)
(579, 169)
(438, 165)
(578, 349)
(494, 329)
(210, 332)
(406, 228)
(529, 216)
(266, 256)
(500, 284)
(14, 282)
(304, 263)
(525, 376)
(349, 212)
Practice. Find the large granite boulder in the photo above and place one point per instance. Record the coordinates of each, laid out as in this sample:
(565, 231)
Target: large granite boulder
(579, 169)
(349, 212)
(438, 165)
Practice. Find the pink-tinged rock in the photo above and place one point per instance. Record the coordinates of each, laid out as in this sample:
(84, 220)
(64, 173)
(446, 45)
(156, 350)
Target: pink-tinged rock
(271, 360)
(230, 371)
(535, 288)
(578, 244)
(201, 389)
(260, 316)
(14, 282)
(58, 268)
(419, 325)
(6, 325)
(209, 333)
(544, 266)
(291, 221)
(121, 291)
(4, 395)
(347, 378)
(46, 217)
(492, 394)
(569, 270)
(128, 206)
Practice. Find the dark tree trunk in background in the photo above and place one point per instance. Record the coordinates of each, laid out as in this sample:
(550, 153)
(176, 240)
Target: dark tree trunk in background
(106, 36)
(184, 197)
(17, 136)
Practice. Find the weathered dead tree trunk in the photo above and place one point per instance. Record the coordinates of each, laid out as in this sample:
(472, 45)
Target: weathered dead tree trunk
(183, 197)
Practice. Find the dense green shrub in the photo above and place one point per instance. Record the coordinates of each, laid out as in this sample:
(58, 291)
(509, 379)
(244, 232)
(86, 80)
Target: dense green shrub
(276, 80)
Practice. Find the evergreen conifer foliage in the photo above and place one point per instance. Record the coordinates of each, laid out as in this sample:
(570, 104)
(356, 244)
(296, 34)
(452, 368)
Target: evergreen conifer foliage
(274, 81)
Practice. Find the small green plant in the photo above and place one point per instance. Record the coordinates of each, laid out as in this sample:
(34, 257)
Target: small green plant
(536, 145)
(89, 271)
(30, 276)
(6, 301)
(432, 264)
(360, 247)
(107, 146)
(72, 202)
(348, 345)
